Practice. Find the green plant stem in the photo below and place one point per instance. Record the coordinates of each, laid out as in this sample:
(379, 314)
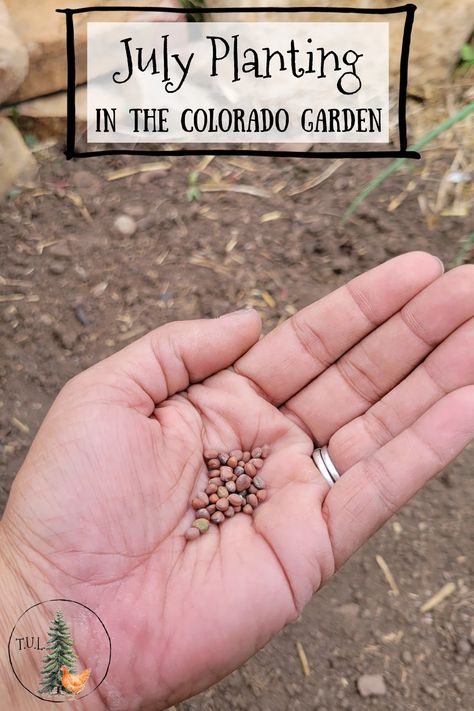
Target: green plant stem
(396, 164)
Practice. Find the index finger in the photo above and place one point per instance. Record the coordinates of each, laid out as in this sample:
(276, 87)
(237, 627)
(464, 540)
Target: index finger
(297, 351)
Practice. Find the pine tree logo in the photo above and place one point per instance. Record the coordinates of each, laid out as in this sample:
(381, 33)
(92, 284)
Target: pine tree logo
(60, 655)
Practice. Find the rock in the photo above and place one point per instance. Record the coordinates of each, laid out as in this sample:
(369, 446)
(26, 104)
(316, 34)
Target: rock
(371, 685)
(13, 56)
(65, 336)
(17, 164)
(441, 28)
(42, 31)
(60, 250)
(57, 268)
(406, 657)
(341, 264)
(351, 610)
(125, 225)
(431, 691)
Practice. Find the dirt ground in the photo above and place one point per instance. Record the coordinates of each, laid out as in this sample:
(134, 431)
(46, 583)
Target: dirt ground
(74, 289)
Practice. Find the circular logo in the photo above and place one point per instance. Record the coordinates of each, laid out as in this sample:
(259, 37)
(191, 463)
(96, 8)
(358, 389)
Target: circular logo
(60, 650)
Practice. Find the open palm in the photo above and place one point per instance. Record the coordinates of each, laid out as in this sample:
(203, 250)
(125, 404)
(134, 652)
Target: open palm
(382, 369)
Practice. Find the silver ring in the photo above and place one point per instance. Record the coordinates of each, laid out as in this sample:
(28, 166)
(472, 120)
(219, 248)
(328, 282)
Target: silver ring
(324, 463)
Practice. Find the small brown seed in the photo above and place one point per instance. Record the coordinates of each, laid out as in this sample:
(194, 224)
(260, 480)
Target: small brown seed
(252, 500)
(250, 469)
(229, 513)
(216, 480)
(211, 489)
(237, 453)
(261, 495)
(213, 464)
(248, 509)
(243, 482)
(241, 463)
(258, 482)
(211, 508)
(252, 489)
(239, 470)
(265, 451)
(191, 534)
(232, 462)
(213, 499)
(202, 524)
(258, 463)
(223, 457)
(257, 452)
(230, 486)
(198, 504)
(203, 496)
(237, 509)
(211, 454)
(212, 473)
(235, 500)
(222, 504)
(217, 517)
(226, 473)
(246, 457)
(222, 492)
(203, 513)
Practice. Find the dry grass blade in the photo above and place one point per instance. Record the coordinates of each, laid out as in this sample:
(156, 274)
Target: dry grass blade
(318, 179)
(228, 188)
(20, 425)
(438, 598)
(270, 216)
(136, 169)
(76, 200)
(303, 659)
(388, 575)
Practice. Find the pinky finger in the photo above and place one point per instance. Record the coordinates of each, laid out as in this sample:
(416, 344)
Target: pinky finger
(375, 488)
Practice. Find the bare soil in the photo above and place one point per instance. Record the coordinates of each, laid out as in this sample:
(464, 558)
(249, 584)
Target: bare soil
(74, 290)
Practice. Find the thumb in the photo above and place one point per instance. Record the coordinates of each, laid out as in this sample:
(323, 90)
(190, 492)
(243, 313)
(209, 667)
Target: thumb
(170, 358)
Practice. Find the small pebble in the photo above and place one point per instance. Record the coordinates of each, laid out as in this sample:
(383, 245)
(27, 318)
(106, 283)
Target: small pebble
(235, 500)
(252, 500)
(229, 513)
(261, 495)
(211, 508)
(211, 454)
(211, 489)
(213, 499)
(202, 524)
(203, 513)
(222, 504)
(232, 462)
(217, 481)
(241, 463)
(223, 457)
(226, 473)
(257, 463)
(191, 534)
(222, 492)
(237, 454)
(257, 452)
(213, 463)
(125, 225)
(265, 451)
(198, 504)
(246, 457)
(217, 517)
(239, 470)
(250, 470)
(252, 489)
(247, 509)
(230, 486)
(242, 483)
(258, 482)
(237, 509)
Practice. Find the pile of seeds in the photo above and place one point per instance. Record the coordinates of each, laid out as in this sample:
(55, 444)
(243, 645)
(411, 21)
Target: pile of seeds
(234, 486)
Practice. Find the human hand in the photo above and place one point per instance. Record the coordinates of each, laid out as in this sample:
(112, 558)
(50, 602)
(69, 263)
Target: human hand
(382, 369)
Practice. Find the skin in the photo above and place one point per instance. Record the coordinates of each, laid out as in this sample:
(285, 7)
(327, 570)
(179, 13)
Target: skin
(382, 369)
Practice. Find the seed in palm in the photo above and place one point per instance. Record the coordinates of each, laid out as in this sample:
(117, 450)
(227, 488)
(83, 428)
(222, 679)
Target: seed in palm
(235, 486)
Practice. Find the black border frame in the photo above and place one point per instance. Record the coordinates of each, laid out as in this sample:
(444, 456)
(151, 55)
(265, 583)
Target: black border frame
(403, 152)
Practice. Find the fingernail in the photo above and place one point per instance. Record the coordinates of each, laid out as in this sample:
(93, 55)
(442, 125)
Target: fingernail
(442, 265)
(239, 311)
